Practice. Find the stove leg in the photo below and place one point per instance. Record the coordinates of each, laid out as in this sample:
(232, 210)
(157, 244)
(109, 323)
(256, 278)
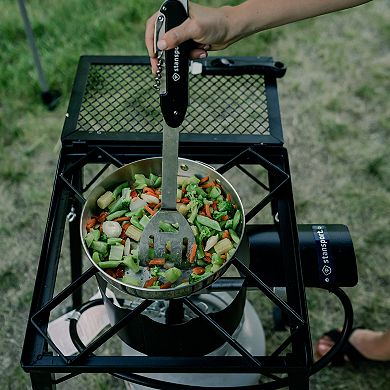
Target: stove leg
(298, 381)
(42, 381)
(75, 244)
(49, 97)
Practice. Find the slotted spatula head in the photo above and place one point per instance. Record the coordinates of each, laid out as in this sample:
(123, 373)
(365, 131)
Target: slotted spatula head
(175, 244)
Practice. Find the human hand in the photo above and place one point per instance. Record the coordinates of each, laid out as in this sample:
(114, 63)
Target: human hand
(208, 27)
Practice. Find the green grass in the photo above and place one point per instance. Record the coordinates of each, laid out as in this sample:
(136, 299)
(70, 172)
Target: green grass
(336, 115)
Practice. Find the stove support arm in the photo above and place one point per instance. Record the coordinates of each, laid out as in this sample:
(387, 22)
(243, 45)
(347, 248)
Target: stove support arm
(75, 242)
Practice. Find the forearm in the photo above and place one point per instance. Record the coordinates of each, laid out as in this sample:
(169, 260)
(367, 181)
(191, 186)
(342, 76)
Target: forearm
(257, 15)
(217, 28)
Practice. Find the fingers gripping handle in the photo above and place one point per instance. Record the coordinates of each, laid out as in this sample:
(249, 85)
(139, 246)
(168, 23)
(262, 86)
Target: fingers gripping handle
(174, 78)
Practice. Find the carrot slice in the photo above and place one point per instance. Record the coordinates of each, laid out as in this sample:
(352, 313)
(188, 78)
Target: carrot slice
(121, 219)
(225, 217)
(208, 185)
(133, 194)
(185, 200)
(228, 197)
(203, 180)
(102, 216)
(150, 193)
(198, 270)
(149, 210)
(125, 226)
(225, 234)
(150, 282)
(91, 223)
(156, 262)
(166, 285)
(148, 189)
(207, 210)
(193, 253)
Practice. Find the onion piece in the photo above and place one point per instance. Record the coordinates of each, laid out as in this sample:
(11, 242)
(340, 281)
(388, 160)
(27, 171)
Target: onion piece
(211, 242)
(150, 198)
(112, 229)
(126, 251)
(137, 203)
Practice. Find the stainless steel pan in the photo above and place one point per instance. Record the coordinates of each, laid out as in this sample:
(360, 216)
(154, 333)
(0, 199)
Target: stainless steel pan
(146, 166)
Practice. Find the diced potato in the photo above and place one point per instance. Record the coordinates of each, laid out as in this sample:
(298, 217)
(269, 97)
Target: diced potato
(223, 246)
(182, 208)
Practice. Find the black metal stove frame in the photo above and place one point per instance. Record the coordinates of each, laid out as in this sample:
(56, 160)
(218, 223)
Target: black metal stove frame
(86, 139)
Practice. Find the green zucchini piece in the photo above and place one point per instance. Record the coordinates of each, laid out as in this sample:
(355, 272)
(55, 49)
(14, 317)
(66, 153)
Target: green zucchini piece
(100, 247)
(116, 252)
(211, 223)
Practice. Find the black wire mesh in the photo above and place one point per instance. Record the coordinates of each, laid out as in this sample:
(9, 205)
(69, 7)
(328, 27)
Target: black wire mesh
(121, 98)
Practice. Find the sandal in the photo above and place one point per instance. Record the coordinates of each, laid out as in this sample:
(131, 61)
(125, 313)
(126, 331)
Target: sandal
(348, 354)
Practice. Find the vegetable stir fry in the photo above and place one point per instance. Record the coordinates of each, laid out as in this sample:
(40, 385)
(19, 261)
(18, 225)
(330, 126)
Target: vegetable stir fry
(114, 232)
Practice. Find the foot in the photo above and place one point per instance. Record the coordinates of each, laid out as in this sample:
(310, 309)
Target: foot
(373, 345)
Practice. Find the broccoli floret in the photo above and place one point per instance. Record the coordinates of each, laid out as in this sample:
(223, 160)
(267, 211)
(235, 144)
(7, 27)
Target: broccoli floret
(227, 206)
(196, 278)
(217, 215)
(195, 205)
(204, 232)
(193, 192)
(155, 271)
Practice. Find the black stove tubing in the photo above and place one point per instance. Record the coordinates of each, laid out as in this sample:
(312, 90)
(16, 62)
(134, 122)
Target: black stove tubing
(277, 384)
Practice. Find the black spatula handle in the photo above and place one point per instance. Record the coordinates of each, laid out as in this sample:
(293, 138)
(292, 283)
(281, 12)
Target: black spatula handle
(174, 88)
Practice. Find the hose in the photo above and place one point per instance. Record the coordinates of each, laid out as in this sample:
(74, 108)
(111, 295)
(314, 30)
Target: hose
(276, 384)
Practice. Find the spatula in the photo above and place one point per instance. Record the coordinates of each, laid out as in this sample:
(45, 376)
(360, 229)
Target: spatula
(173, 85)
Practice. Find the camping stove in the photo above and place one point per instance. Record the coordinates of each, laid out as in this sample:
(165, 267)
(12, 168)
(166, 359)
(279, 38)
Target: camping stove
(233, 123)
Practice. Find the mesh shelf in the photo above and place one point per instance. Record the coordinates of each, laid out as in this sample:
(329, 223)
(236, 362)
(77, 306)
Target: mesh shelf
(120, 98)
(115, 97)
